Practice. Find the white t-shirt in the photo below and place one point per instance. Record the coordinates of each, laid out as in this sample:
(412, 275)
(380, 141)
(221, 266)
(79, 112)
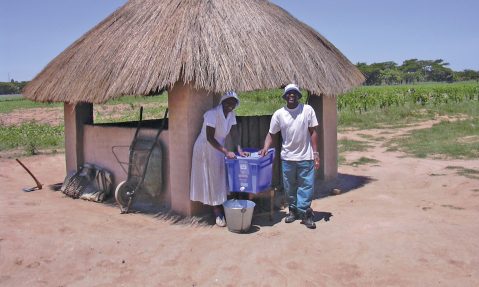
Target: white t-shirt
(294, 124)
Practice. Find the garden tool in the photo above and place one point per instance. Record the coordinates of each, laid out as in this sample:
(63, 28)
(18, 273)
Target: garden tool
(39, 185)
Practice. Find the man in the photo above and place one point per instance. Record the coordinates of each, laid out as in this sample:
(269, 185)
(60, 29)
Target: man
(299, 156)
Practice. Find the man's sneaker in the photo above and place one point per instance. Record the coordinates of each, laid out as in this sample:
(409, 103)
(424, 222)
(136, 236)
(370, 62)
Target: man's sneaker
(291, 217)
(220, 221)
(308, 219)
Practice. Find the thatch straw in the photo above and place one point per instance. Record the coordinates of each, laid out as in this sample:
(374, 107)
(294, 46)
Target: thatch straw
(218, 45)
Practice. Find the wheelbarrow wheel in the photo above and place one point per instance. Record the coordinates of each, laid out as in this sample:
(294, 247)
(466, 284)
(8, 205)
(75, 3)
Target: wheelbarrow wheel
(123, 195)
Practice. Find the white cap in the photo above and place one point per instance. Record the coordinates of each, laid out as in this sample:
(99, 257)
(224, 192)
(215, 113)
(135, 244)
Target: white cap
(230, 94)
(292, 88)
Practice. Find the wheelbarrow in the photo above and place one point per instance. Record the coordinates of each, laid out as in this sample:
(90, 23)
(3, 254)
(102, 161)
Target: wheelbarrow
(140, 151)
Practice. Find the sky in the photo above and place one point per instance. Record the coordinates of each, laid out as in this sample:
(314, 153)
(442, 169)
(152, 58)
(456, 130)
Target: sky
(33, 32)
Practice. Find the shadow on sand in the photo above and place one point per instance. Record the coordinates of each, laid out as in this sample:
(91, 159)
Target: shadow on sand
(342, 184)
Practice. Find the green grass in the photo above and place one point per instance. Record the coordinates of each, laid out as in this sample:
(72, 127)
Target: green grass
(252, 103)
(153, 108)
(467, 172)
(396, 106)
(132, 114)
(459, 139)
(31, 137)
(346, 145)
(9, 104)
(376, 119)
(363, 160)
(260, 102)
(366, 136)
(403, 116)
(162, 98)
(350, 146)
(452, 207)
(368, 98)
(372, 138)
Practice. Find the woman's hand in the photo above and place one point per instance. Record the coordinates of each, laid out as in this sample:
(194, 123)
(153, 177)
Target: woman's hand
(244, 153)
(230, 154)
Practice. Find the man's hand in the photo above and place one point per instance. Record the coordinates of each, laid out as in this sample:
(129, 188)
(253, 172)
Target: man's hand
(263, 152)
(268, 141)
(317, 161)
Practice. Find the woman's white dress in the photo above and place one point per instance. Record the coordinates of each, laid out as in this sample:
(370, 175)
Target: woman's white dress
(208, 178)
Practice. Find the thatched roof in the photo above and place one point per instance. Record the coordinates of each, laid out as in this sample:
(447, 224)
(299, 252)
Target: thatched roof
(218, 45)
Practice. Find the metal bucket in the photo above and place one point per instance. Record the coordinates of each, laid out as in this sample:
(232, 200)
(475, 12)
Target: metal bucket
(239, 214)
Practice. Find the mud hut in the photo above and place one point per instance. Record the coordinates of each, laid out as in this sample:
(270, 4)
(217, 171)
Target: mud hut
(195, 50)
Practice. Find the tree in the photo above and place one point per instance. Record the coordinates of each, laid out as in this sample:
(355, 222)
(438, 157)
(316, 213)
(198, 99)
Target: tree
(439, 71)
(8, 88)
(373, 72)
(413, 70)
(391, 76)
(466, 75)
(12, 87)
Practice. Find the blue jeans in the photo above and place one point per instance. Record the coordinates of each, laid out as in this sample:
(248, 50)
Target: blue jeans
(298, 182)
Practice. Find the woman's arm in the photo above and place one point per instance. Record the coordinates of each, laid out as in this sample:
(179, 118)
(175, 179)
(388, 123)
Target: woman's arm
(210, 137)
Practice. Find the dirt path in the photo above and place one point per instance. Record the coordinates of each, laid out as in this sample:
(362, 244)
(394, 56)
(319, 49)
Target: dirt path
(400, 222)
(54, 116)
(51, 116)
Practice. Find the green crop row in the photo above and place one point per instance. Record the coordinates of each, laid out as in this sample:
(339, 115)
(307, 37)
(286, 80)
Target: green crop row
(31, 137)
(382, 97)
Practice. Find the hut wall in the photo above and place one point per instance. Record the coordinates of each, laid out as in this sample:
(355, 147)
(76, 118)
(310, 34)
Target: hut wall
(326, 113)
(99, 141)
(186, 107)
(330, 137)
(76, 116)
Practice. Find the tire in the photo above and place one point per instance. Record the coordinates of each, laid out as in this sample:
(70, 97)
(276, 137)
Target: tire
(122, 194)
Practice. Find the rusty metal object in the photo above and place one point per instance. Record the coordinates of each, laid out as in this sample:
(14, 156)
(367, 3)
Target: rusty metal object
(39, 185)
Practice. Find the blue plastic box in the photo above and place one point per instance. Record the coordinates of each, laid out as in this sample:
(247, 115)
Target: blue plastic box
(250, 174)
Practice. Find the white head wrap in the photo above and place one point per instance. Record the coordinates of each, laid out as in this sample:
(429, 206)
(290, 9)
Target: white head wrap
(230, 94)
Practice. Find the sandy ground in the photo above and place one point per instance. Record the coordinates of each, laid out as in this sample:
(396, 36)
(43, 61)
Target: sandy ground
(54, 116)
(399, 222)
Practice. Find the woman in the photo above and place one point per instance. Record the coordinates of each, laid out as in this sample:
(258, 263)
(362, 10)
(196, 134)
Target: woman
(208, 178)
